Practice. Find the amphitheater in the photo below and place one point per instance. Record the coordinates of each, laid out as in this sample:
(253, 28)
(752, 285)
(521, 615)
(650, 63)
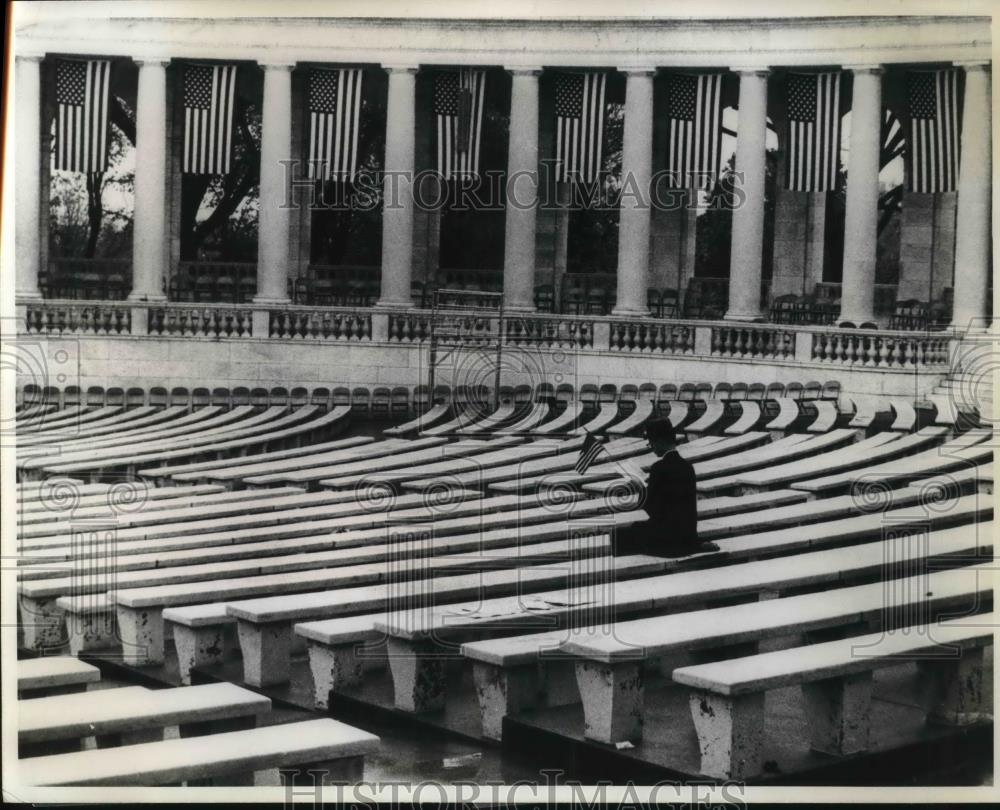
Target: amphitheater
(295, 516)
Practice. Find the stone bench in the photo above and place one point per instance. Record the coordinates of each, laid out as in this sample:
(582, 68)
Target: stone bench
(188, 509)
(425, 420)
(968, 449)
(413, 634)
(207, 430)
(514, 673)
(260, 430)
(265, 625)
(142, 420)
(561, 459)
(748, 416)
(787, 415)
(335, 749)
(53, 675)
(201, 470)
(485, 459)
(610, 667)
(503, 414)
(881, 447)
(727, 697)
(564, 422)
(461, 420)
(434, 450)
(827, 415)
(91, 621)
(133, 714)
(905, 415)
(710, 419)
(716, 507)
(718, 475)
(539, 413)
(696, 450)
(605, 417)
(635, 420)
(151, 498)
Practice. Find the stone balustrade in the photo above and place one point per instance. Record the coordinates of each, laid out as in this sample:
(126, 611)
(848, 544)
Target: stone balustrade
(724, 340)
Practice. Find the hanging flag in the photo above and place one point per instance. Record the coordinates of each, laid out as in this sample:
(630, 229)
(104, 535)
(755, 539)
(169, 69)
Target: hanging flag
(933, 147)
(593, 446)
(209, 97)
(82, 115)
(334, 113)
(694, 114)
(579, 125)
(458, 106)
(813, 103)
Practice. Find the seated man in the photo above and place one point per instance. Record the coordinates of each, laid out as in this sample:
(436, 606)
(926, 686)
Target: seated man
(669, 498)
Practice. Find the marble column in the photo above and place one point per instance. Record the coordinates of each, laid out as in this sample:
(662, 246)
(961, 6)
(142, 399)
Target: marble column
(522, 192)
(28, 188)
(397, 204)
(972, 232)
(857, 296)
(274, 234)
(149, 239)
(748, 219)
(635, 212)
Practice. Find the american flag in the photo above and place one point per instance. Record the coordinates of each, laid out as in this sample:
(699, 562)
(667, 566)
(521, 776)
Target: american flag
(209, 96)
(592, 447)
(458, 106)
(82, 115)
(694, 114)
(813, 131)
(579, 125)
(933, 146)
(334, 113)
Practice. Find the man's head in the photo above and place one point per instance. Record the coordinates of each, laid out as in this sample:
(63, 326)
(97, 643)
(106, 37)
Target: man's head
(660, 435)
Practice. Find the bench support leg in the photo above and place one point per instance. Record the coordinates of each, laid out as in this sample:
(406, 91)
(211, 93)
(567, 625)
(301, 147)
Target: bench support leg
(333, 669)
(730, 733)
(612, 696)
(958, 690)
(343, 771)
(839, 713)
(198, 647)
(141, 632)
(267, 652)
(418, 675)
(91, 631)
(502, 691)
(42, 623)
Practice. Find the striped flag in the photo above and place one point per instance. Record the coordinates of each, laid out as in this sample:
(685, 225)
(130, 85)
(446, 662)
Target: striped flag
(813, 131)
(933, 147)
(458, 107)
(209, 97)
(82, 115)
(579, 125)
(592, 447)
(694, 114)
(334, 113)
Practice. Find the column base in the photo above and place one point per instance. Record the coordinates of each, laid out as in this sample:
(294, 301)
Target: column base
(855, 319)
(147, 298)
(744, 317)
(271, 302)
(519, 308)
(625, 312)
(27, 295)
(388, 303)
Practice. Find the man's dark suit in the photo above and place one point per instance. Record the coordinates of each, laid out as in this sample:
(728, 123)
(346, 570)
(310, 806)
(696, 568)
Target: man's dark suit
(671, 503)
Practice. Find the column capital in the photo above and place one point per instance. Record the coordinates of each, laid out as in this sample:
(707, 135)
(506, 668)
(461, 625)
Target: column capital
(871, 68)
(276, 64)
(393, 67)
(638, 70)
(151, 61)
(523, 70)
(752, 70)
(974, 64)
(30, 56)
